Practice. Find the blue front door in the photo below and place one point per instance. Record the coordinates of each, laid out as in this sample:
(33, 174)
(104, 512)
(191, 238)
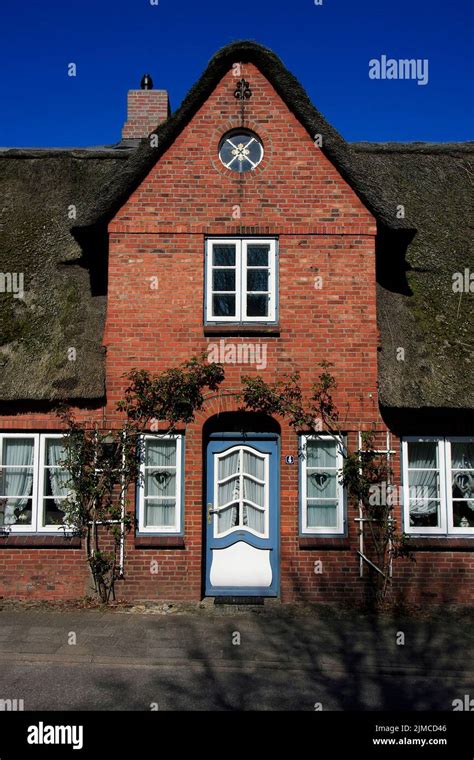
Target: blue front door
(242, 516)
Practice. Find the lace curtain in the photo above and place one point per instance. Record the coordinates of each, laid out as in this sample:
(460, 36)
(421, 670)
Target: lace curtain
(58, 476)
(160, 483)
(321, 484)
(253, 491)
(229, 491)
(17, 476)
(423, 478)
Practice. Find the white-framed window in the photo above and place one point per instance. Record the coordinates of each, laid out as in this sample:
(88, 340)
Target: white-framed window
(241, 280)
(322, 494)
(241, 492)
(161, 490)
(438, 485)
(32, 482)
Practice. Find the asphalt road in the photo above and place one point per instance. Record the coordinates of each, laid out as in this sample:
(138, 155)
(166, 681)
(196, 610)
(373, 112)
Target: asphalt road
(255, 660)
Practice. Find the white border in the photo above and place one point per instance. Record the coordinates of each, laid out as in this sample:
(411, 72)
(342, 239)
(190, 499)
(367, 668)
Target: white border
(241, 245)
(325, 530)
(266, 501)
(446, 527)
(41, 527)
(158, 529)
(454, 531)
(32, 527)
(271, 280)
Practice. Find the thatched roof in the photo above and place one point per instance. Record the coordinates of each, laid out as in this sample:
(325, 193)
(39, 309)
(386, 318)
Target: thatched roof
(64, 259)
(64, 276)
(417, 308)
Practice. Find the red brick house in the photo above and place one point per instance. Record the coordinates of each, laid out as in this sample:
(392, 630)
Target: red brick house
(249, 228)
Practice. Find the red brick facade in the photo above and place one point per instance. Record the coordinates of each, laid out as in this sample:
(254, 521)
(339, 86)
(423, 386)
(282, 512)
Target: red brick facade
(327, 311)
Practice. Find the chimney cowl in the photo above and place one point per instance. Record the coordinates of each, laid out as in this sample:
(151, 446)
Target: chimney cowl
(147, 82)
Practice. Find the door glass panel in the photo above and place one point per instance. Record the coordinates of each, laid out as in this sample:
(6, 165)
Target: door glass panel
(229, 491)
(229, 464)
(254, 491)
(253, 465)
(254, 518)
(241, 480)
(228, 518)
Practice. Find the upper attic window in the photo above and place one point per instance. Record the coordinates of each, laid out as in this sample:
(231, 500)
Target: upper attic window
(240, 150)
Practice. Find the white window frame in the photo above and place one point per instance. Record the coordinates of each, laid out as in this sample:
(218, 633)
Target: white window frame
(266, 499)
(34, 493)
(42, 467)
(454, 531)
(241, 247)
(157, 529)
(446, 526)
(339, 529)
(37, 513)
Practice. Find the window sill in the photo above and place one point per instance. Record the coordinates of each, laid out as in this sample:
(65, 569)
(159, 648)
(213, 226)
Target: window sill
(242, 329)
(13, 540)
(431, 544)
(323, 542)
(156, 542)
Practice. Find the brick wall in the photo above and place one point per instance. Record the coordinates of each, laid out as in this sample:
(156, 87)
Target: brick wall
(146, 109)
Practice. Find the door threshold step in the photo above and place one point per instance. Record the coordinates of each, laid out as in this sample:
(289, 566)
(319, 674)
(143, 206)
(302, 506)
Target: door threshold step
(240, 600)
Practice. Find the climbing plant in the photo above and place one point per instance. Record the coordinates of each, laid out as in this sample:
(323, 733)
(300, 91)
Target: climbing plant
(103, 464)
(173, 397)
(364, 471)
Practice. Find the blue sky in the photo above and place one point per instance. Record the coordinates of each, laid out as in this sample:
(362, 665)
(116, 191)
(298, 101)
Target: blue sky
(328, 47)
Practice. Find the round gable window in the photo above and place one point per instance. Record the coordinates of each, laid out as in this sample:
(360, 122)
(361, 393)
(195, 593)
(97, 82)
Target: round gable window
(240, 150)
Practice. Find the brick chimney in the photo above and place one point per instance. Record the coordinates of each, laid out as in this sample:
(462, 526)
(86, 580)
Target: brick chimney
(146, 108)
